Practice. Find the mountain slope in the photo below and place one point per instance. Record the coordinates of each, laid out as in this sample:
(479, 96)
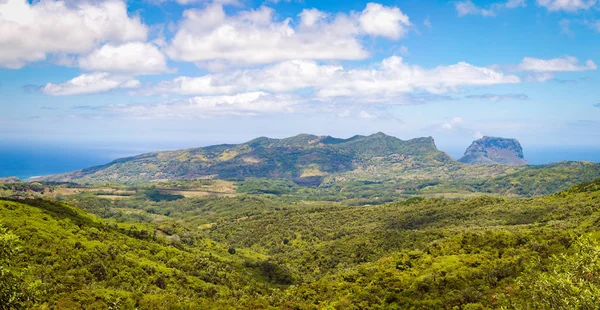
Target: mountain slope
(493, 150)
(479, 253)
(541, 180)
(71, 259)
(303, 158)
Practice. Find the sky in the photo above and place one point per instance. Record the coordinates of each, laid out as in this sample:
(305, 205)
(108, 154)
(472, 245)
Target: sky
(164, 74)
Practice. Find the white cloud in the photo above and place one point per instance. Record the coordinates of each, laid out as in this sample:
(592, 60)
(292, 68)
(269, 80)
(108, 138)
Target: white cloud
(564, 64)
(283, 77)
(499, 97)
(248, 104)
(28, 32)
(567, 5)
(427, 22)
(478, 135)
(211, 38)
(452, 124)
(511, 4)
(565, 26)
(366, 115)
(594, 25)
(389, 79)
(464, 8)
(394, 77)
(90, 83)
(379, 20)
(540, 76)
(133, 57)
(310, 17)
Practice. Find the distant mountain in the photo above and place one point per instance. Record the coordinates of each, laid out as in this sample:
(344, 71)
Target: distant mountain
(303, 158)
(10, 180)
(493, 150)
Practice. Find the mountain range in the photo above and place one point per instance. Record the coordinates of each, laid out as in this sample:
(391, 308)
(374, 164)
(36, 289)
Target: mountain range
(303, 158)
(404, 167)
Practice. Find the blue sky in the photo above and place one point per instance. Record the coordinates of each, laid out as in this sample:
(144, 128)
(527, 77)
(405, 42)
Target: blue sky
(180, 73)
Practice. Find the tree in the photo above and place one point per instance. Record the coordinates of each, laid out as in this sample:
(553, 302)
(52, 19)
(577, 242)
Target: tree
(567, 282)
(14, 293)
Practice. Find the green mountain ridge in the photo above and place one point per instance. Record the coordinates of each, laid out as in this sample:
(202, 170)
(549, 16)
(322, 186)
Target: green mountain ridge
(303, 158)
(367, 169)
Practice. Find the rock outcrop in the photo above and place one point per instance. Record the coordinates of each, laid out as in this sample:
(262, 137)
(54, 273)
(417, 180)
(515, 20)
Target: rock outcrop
(493, 150)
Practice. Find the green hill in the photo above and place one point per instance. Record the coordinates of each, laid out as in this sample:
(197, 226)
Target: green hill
(254, 253)
(365, 169)
(70, 259)
(303, 158)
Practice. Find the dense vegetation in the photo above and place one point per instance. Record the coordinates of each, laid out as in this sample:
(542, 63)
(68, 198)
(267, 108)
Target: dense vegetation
(152, 249)
(360, 170)
(307, 159)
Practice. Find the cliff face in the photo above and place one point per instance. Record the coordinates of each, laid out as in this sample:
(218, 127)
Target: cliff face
(492, 150)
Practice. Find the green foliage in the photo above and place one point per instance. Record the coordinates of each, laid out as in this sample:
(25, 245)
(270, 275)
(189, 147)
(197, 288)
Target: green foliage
(155, 195)
(76, 260)
(261, 251)
(567, 281)
(15, 292)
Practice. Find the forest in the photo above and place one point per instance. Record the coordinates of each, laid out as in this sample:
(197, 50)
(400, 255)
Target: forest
(214, 244)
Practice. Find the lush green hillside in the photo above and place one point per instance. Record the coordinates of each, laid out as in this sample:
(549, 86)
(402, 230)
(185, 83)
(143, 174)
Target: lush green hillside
(253, 252)
(540, 180)
(360, 170)
(69, 259)
(303, 158)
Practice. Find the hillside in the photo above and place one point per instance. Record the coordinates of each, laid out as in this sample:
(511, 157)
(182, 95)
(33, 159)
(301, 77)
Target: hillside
(305, 159)
(250, 252)
(492, 150)
(360, 170)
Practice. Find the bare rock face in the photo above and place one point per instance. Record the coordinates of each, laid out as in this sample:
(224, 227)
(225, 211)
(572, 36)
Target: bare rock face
(492, 151)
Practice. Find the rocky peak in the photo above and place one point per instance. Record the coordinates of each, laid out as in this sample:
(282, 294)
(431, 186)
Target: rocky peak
(493, 150)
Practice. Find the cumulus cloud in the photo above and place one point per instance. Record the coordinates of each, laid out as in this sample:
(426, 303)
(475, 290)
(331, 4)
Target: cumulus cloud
(393, 77)
(567, 5)
(388, 79)
(283, 77)
(211, 38)
(464, 8)
(90, 83)
(379, 20)
(31, 31)
(243, 104)
(497, 97)
(133, 57)
(564, 64)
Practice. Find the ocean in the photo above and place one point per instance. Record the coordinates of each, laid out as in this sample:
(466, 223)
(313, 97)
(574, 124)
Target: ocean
(26, 161)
